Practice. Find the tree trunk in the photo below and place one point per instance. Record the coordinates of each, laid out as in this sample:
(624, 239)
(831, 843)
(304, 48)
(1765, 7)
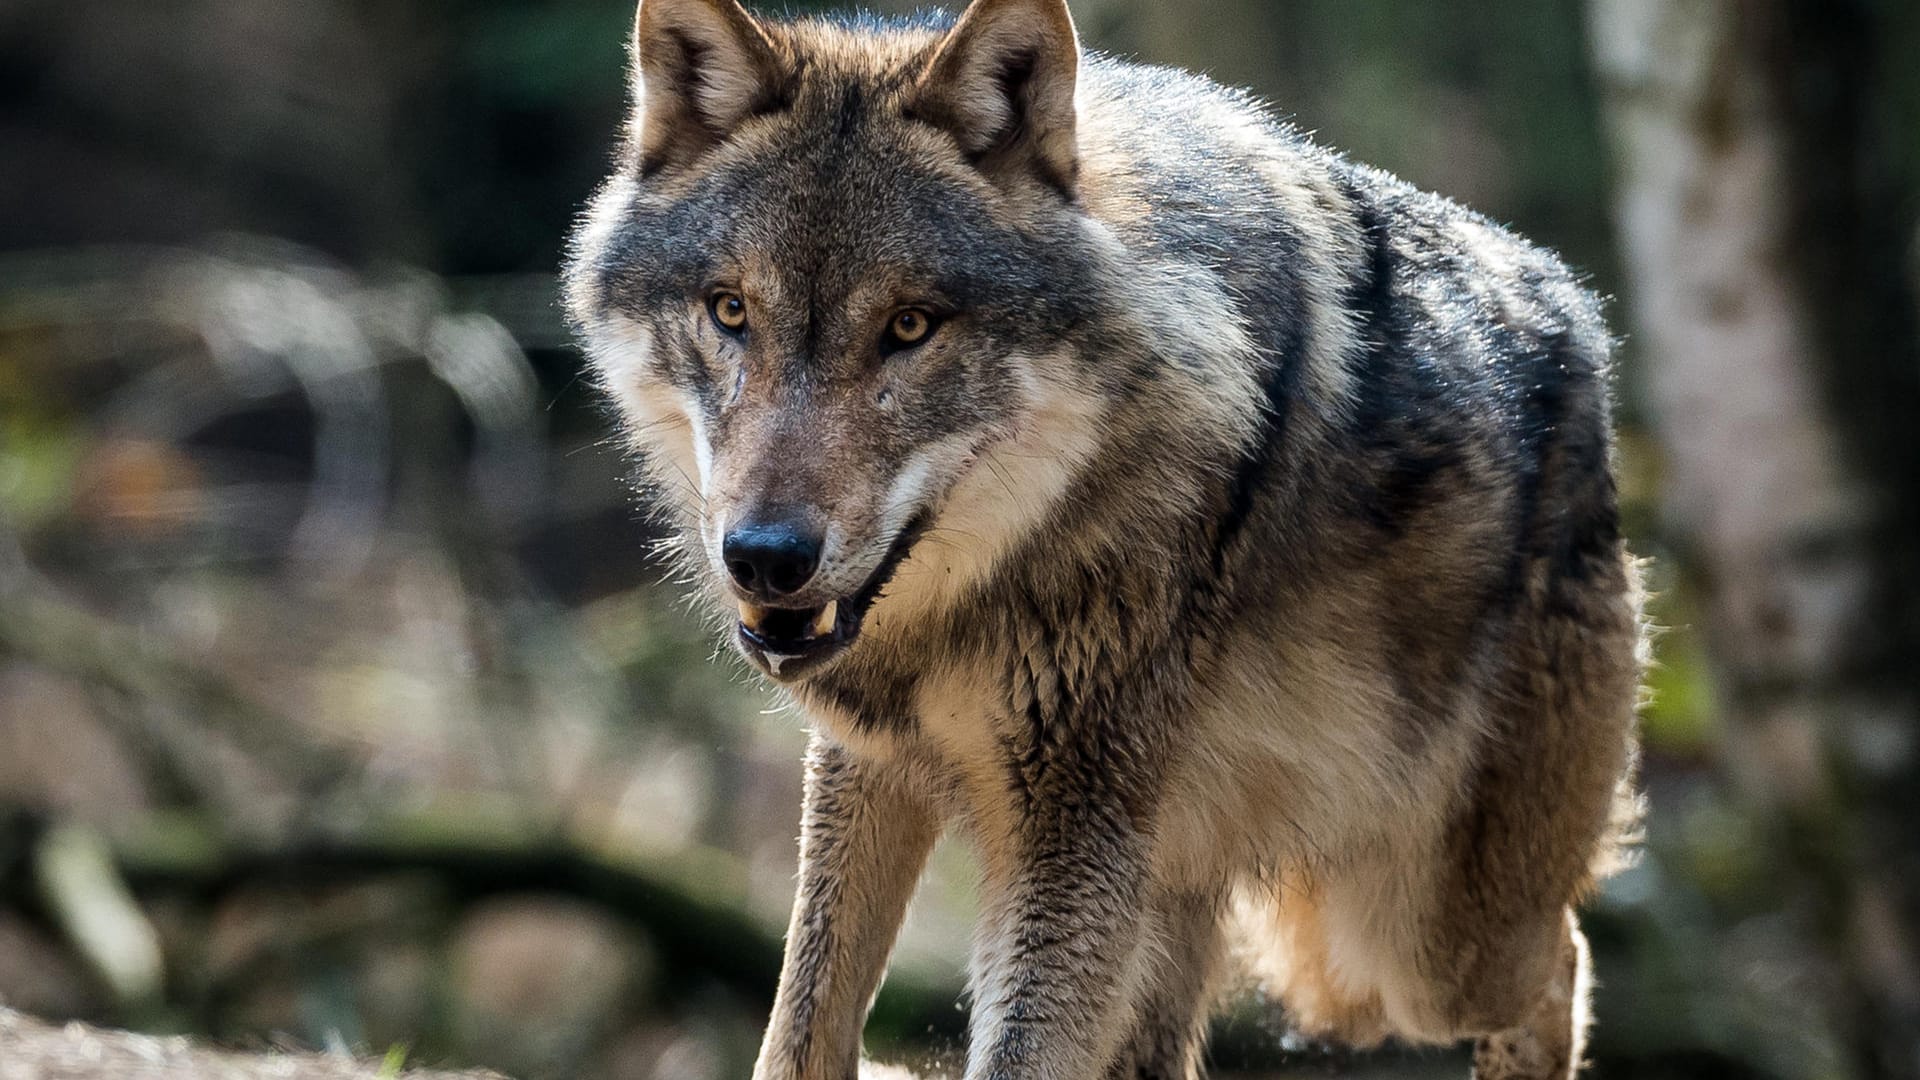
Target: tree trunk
(1757, 203)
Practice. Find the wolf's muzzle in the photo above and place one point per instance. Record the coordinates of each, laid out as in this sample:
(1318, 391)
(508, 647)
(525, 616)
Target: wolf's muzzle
(790, 642)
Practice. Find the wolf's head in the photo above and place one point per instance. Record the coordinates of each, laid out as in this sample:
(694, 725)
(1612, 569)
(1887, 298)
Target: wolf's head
(829, 287)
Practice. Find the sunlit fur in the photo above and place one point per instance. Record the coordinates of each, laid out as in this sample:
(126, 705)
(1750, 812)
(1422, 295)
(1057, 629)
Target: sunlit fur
(1271, 611)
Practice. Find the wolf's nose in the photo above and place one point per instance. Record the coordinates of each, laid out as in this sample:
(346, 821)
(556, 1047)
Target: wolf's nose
(771, 560)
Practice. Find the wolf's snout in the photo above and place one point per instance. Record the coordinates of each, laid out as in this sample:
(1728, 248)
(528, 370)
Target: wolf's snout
(771, 560)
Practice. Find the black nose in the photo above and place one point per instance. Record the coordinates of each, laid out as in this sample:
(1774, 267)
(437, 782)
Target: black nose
(771, 560)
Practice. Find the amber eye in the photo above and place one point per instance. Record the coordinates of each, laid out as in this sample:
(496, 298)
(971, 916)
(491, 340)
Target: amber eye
(908, 328)
(729, 311)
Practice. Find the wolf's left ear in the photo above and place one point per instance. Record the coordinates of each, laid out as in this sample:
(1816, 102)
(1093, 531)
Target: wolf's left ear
(700, 67)
(1002, 83)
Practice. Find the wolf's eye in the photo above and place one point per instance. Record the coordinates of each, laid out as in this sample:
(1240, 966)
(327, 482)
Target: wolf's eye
(729, 311)
(907, 328)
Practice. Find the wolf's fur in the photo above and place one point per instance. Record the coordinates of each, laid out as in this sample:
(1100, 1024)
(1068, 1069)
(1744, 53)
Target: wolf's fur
(1247, 534)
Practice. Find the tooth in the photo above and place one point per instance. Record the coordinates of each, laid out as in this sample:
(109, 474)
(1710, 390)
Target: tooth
(823, 623)
(750, 616)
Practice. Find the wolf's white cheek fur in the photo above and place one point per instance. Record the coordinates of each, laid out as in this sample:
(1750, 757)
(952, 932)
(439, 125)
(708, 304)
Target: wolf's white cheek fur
(702, 445)
(909, 487)
(664, 423)
(999, 498)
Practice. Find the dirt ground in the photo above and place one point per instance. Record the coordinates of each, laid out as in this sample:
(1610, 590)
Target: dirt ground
(34, 1050)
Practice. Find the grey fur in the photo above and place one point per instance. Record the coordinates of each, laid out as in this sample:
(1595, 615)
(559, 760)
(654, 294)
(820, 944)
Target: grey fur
(1260, 569)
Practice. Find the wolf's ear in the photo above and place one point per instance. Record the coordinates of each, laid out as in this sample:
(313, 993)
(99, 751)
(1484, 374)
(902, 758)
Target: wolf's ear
(700, 67)
(1002, 83)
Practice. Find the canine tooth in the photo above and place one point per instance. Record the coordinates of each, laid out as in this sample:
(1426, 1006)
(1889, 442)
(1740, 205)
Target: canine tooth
(750, 616)
(823, 622)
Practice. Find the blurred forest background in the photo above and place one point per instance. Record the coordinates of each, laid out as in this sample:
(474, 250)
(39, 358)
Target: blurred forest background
(342, 706)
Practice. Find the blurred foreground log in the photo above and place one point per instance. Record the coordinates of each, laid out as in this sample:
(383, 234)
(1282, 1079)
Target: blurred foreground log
(1765, 196)
(32, 1050)
(693, 904)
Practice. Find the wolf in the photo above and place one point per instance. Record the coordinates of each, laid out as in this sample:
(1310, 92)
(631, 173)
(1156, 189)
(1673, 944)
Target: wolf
(1220, 533)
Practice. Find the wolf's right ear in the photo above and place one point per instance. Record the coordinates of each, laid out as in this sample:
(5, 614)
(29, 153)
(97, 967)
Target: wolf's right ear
(700, 67)
(1002, 83)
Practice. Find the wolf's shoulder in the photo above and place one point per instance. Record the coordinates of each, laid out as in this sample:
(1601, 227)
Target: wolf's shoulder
(1208, 174)
(1182, 133)
(1214, 161)
(1405, 311)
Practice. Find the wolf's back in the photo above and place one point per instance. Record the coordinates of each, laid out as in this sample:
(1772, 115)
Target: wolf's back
(1407, 350)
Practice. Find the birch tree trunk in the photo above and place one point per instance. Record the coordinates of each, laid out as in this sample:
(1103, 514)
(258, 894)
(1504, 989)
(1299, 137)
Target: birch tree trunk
(1773, 315)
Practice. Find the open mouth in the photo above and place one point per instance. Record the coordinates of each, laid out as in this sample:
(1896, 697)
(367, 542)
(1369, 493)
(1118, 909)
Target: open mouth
(789, 642)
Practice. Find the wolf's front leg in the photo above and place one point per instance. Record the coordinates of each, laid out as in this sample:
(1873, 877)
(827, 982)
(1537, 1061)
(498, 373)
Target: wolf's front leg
(1169, 1027)
(1059, 962)
(864, 839)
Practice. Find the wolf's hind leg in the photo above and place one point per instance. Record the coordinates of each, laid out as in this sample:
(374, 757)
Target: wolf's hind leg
(1549, 1044)
(1170, 1020)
